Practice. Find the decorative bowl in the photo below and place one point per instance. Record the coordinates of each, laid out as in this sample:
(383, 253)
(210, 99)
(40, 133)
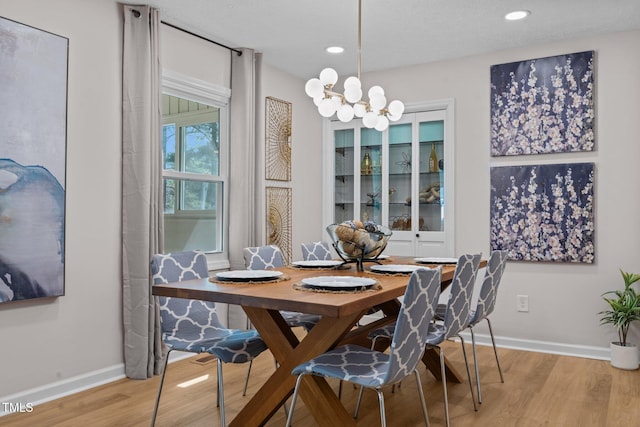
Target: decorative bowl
(357, 244)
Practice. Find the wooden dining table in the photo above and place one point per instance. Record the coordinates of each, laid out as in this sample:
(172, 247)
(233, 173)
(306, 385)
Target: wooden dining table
(339, 311)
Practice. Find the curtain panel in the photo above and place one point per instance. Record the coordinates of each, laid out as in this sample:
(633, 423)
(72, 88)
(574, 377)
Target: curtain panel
(142, 210)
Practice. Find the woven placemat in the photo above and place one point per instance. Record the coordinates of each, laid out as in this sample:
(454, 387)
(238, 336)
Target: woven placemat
(337, 267)
(299, 286)
(282, 278)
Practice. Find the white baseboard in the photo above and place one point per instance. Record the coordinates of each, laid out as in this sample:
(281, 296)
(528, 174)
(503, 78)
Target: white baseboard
(58, 389)
(588, 352)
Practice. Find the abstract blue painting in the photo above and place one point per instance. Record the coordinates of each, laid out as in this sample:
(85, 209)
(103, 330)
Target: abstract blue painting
(33, 132)
(543, 105)
(543, 212)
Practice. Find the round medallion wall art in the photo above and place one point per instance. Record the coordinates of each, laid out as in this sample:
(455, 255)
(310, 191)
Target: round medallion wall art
(278, 139)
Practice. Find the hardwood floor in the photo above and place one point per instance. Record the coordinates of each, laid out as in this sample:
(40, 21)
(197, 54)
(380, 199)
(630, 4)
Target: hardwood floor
(539, 390)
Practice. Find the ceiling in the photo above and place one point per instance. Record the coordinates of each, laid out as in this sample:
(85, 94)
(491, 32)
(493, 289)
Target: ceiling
(292, 34)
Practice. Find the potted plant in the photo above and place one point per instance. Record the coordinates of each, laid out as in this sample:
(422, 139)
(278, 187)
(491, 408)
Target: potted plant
(624, 307)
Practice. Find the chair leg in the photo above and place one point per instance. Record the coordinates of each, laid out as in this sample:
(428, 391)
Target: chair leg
(495, 351)
(443, 373)
(246, 380)
(475, 363)
(164, 371)
(466, 364)
(293, 401)
(221, 394)
(422, 402)
(355, 414)
(383, 416)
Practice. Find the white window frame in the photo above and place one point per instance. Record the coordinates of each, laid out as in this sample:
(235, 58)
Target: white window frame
(192, 89)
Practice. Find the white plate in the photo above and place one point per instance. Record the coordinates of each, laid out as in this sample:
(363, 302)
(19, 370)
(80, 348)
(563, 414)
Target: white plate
(338, 283)
(248, 275)
(317, 263)
(435, 260)
(396, 268)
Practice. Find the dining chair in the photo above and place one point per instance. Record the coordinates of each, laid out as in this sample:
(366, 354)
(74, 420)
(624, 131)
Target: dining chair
(486, 303)
(269, 257)
(374, 369)
(193, 325)
(316, 251)
(455, 320)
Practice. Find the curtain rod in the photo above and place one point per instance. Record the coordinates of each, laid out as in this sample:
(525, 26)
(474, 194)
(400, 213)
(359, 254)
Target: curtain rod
(239, 52)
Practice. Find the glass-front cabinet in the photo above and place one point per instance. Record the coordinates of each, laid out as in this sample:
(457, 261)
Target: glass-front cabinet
(401, 178)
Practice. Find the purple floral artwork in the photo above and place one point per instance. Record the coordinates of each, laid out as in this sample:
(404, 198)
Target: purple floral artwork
(543, 212)
(543, 105)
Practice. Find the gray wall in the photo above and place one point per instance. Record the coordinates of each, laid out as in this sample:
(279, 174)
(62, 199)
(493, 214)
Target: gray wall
(73, 342)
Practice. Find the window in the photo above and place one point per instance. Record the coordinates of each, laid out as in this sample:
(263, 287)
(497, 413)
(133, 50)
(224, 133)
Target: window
(194, 148)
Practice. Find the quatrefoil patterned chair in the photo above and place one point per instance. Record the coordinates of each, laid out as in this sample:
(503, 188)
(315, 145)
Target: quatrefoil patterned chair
(316, 251)
(455, 319)
(269, 257)
(193, 326)
(373, 369)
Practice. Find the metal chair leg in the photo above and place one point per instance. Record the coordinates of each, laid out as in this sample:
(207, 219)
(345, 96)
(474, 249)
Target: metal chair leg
(495, 350)
(246, 380)
(475, 363)
(466, 364)
(164, 371)
(293, 401)
(221, 394)
(422, 402)
(443, 374)
(355, 414)
(383, 416)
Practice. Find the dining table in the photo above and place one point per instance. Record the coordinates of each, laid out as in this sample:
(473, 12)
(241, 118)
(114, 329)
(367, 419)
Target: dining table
(340, 313)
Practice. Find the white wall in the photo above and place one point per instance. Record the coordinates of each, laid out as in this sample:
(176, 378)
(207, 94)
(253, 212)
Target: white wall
(57, 339)
(79, 335)
(564, 299)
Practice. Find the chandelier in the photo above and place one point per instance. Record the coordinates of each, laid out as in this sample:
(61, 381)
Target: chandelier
(375, 112)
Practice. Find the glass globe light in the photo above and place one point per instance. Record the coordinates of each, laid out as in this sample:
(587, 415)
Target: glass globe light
(328, 76)
(318, 99)
(396, 108)
(345, 113)
(326, 108)
(353, 94)
(375, 90)
(314, 88)
(337, 102)
(352, 81)
(377, 102)
(370, 119)
(359, 110)
(394, 118)
(383, 123)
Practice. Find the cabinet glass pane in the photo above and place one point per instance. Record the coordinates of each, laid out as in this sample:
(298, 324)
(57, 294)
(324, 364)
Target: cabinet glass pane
(343, 183)
(370, 175)
(400, 177)
(431, 190)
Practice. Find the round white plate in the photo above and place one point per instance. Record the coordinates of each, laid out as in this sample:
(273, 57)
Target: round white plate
(436, 260)
(316, 263)
(248, 275)
(338, 283)
(396, 268)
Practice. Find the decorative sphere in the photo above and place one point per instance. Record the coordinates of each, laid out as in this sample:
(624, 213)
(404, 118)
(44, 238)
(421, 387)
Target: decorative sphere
(328, 76)
(345, 113)
(370, 119)
(377, 102)
(396, 108)
(353, 94)
(359, 110)
(352, 81)
(326, 108)
(314, 88)
(375, 90)
(383, 123)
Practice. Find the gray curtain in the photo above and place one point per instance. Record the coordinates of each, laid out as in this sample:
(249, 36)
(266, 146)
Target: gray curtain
(245, 79)
(142, 222)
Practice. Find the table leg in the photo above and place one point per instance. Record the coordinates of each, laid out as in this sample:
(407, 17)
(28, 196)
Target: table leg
(289, 352)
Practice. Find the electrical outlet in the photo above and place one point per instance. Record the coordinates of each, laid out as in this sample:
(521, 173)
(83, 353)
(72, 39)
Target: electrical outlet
(522, 303)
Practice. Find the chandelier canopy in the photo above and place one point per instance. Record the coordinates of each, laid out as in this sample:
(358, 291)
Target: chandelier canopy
(375, 112)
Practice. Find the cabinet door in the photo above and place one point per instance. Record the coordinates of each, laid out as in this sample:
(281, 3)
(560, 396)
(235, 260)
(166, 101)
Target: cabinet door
(370, 175)
(343, 194)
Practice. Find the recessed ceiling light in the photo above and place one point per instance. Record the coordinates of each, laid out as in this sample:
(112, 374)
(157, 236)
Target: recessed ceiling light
(335, 49)
(516, 15)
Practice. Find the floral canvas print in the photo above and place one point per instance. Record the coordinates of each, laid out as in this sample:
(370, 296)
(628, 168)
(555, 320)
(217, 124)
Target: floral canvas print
(543, 212)
(543, 105)
(33, 84)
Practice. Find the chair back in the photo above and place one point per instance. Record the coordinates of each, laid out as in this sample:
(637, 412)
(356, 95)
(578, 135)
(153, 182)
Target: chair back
(316, 251)
(456, 316)
(412, 324)
(263, 257)
(184, 319)
(489, 290)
